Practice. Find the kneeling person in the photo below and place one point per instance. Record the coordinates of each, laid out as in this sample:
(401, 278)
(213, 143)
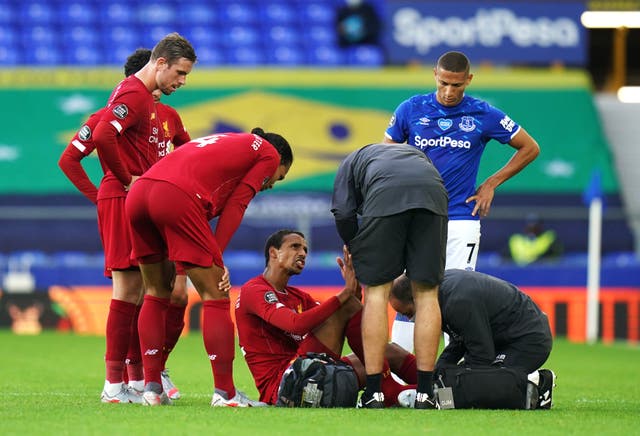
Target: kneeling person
(277, 322)
(491, 323)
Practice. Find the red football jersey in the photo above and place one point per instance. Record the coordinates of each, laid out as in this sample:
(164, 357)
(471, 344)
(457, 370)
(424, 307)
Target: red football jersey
(132, 112)
(222, 172)
(173, 133)
(271, 324)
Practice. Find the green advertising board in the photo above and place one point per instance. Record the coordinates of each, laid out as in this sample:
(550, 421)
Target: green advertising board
(325, 114)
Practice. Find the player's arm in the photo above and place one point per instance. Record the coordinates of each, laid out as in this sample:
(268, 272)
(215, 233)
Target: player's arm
(240, 198)
(181, 135)
(397, 131)
(265, 305)
(527, 149)
(71, 166)
(471, 321)
(106, 140)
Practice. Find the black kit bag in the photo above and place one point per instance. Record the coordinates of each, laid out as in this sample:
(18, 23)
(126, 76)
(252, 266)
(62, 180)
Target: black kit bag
(484, 387)
(318, 380)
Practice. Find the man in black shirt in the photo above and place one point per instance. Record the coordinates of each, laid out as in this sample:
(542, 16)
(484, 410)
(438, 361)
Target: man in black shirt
(402, 204)
(490, 323)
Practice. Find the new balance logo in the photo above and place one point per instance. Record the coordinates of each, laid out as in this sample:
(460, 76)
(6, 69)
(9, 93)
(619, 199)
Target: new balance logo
(212, 356)
(151, 352)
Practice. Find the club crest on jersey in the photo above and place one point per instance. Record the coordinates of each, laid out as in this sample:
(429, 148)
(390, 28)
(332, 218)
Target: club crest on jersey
(121, 111)
(445, 123)
(84, 133)
(270, 297)
(424, 121)
(467, 124)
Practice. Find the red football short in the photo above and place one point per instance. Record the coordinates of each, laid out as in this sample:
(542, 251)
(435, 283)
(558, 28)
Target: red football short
(114, 233)
(166, 222)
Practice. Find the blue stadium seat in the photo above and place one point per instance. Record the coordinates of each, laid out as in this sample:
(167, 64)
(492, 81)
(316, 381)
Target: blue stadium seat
(325, 55)
(197, 12)
(245, 56)
(77, 12)
(317, 12)
(239, 12)
(79, 34)
(117, 13)
(280, 35)
(365, 56)
(8, 12)
(9, 36)
(117, 55)
(9, 56)
(46, 55)
(37, 12)
(115, 36)
(239, 36)
(201, 35)
(319, 35)
(156, 13)
(279, 12)
(210, 56)
(285, 55)
(83, 54)
(152, 34)
(39, 35)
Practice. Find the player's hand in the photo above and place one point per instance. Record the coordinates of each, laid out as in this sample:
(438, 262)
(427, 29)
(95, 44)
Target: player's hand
(483, 198)
(348, 273)
(225, 281)
(133, 179)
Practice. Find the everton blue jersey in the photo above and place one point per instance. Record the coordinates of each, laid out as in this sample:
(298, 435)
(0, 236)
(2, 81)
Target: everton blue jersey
(454, 139)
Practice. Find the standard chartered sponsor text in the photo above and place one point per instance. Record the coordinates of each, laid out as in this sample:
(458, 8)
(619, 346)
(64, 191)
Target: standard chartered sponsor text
(489, 27)
(441, 141)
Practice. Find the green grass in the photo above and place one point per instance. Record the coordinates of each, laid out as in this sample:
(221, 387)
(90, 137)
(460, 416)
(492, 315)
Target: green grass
(50, 384)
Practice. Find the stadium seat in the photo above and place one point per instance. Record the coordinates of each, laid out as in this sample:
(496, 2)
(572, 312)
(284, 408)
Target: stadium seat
(365, 56)
(285, 55)
(46, 55)
(317, 12)
(245, 56)
(197, 13)
(8, 12)
(115, 36)
(279, 12)
(117, 13)
(9, 56)
(319, 34)
(38, 35)
(325, 55)
(240, 36)
(201, 35)
(37, 12)
(9, 36)
(84, 55)
(72, 35)
(238, 12)
(117, 55)
(152, 34)
(210, 56)
(281, 35)
(77, 12)
(156, 13)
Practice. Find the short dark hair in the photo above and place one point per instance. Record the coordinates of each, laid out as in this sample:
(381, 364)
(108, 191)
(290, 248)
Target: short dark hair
(279, 143)
(275, 240)
(454, 61)
(136, 61)
(401, 289)
(173, 47)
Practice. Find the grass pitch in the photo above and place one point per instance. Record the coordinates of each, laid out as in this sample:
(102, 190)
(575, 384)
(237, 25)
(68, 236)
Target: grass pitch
(50, 384)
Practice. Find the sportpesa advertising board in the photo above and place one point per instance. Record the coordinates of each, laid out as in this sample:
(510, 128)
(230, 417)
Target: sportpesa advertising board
(488, 31)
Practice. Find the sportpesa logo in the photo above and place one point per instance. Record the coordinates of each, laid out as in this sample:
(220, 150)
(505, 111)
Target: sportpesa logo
(441, 141)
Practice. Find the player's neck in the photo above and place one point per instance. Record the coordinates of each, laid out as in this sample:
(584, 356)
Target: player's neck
(147, 76)
(278, 279)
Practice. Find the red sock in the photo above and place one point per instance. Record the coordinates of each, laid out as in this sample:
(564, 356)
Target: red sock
(408, 370)
(391, 389)
(134, 358)
(175, 324)
(219, 341)
(353, 333)
(118, 332)
(151, 328)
